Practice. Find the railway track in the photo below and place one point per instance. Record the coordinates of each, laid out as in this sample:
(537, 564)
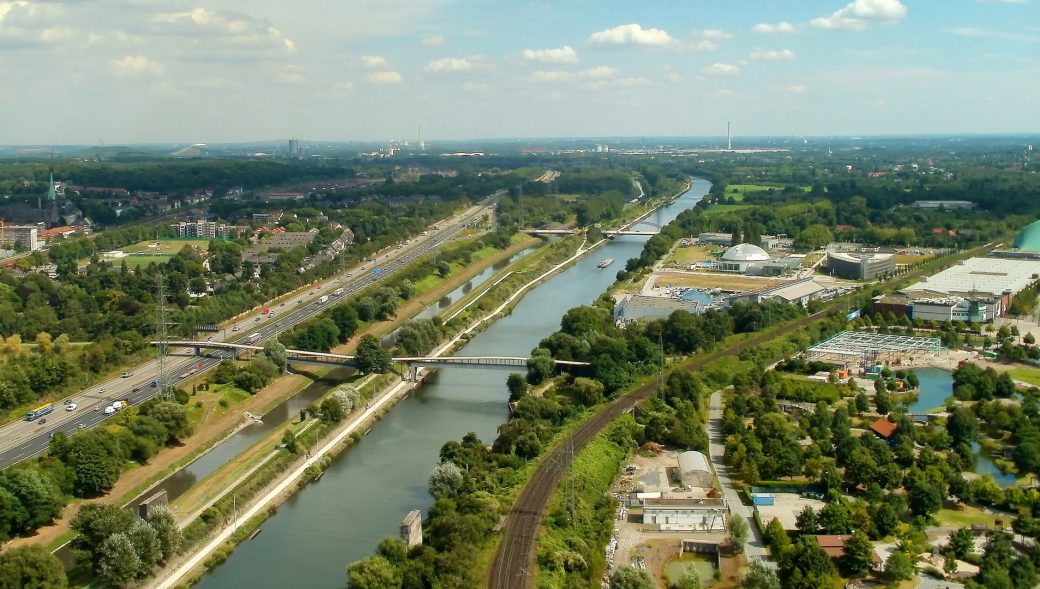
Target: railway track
(513, 566)
(514, 563)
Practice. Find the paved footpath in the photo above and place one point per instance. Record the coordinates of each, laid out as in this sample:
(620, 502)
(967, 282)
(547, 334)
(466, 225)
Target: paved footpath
(755, 547)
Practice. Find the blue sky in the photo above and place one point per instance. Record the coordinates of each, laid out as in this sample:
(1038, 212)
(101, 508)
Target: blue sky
(82, 71)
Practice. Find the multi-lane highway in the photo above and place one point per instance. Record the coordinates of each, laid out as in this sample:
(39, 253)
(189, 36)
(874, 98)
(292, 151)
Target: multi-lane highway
(23, 439)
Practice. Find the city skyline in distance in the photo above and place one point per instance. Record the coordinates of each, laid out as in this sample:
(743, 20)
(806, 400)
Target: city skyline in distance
(233, 72)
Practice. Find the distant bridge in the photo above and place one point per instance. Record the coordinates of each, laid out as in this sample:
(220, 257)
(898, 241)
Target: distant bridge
(610, 233)
(413, 362)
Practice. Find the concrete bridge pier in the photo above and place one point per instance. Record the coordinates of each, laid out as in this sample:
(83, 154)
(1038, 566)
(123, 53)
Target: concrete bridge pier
(413, 373)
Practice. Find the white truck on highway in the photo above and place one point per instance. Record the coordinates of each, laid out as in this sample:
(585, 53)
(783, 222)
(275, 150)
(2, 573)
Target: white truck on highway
(338, 292)
(323, 299)
(115, 406)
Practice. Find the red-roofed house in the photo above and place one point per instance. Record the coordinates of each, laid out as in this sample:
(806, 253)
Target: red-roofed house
(834, 546)
(56, 232)
(884, 428)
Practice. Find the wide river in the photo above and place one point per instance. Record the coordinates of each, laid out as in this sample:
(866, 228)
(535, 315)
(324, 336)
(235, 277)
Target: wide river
(368, 489)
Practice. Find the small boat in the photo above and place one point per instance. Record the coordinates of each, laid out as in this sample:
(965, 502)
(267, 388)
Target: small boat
(255, 533)
(605, 263)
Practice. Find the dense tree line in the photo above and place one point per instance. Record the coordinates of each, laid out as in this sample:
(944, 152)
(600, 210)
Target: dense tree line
(121, 547)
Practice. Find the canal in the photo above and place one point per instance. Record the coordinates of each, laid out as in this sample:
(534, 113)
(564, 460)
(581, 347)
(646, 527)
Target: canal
(367, 490)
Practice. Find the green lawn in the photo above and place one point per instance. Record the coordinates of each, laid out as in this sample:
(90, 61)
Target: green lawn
(964, 517)
(135, 262)
(737, 191)
(167, 247)
(717, 209)
(1030, 375)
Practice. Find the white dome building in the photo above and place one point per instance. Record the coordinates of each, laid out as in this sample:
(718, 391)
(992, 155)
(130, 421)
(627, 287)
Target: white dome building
(739, 257)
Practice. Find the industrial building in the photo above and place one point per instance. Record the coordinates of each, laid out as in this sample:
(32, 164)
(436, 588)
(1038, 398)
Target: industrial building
(726, 239)
(695, 470)
(741, 257)
(675, 514)
(860, 266)
(947, 205)
(799, 292)
(997, 279)
(929, 305)
(27, 235)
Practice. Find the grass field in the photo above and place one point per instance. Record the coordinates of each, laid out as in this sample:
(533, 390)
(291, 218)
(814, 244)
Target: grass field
(1030, 375)
(911, 258)
(710, 280)
(135, 262)
(964, 517)
(167, 247)
(684, 256)
(718, 209)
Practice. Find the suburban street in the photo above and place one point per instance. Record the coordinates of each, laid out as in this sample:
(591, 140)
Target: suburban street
(755, 547)
(23, 439)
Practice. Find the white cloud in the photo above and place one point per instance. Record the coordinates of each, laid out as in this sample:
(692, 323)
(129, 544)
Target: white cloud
(796, 89)
(565, 54)
(715, 34)
(631, 35)
(226, 32)
(721, 69)
(373, 61)
(991, 34)
(599, 72)
(290, 74)
(702, 45)
(772, 54)
(632, 82)
(551, 76)
(56, 34)
(7, 7)
(435, 41)
(451, 65)
(780, 27)
(862, 14)
(135, 64)
(385, 77)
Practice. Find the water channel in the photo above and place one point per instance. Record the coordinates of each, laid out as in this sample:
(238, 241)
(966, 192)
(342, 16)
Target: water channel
(935, 386)
(368, 489)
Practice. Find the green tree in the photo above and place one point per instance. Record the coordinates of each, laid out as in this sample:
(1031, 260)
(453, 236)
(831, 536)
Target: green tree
(587, 391)
(393, 550)
(962, 543)
(858, 556)
(759, 575)
(374, 572)
(807, 521)
(516, 385)
(923, 496)
(626, 577)
(174, 417)
(146, 543)
(39, 500)
(345, 316)
(31, 567)
(166, 532)
(274, 350)
(539, 366)
(813, 237)
(371, 357)
(445, 480)
(118, 562)
(738, 532)
(95, 459)
(95, 523)
(332, 411)
(900, 567)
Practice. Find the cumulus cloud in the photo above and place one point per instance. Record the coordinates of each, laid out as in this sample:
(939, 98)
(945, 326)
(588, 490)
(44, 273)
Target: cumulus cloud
(772, 54)
(227, 32)
(385, 77)
(435, 41)
(565, 54)
(715, 34)
(135, 64)
(862, 14)
(631, 35)
(780, 27)
(602, 71)
(7, 7)
(450, 65)
(721, 69)
(373, 61)
(551, 76)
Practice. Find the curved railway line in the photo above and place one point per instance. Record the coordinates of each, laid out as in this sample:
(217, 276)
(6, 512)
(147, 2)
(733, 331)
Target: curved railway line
(512, 567)
(514, 562)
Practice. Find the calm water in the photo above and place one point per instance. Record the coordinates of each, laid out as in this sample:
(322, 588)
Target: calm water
(368, 489)
(936, 386)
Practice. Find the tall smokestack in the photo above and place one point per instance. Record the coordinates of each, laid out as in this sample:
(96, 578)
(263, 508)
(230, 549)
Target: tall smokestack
(729, 136)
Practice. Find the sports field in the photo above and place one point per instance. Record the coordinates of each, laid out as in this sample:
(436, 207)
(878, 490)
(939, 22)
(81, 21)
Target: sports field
(166, 247)
(713, 280)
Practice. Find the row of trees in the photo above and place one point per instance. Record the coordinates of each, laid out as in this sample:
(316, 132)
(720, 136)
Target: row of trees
(121, 547)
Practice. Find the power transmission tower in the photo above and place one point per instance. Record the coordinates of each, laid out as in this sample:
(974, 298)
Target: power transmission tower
(521, 199)
(161, 337)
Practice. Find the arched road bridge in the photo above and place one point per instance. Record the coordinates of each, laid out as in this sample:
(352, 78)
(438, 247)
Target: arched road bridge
(413, 362)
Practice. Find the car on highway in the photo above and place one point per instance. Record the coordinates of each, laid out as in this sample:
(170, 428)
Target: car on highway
(209, 339)
(257, 320)
(82, 426)
(102, 389)
(42, 421)
(98, 408)
(71, 407)
(135, 389)
(282, 305)
(125, 375)
(235, 328)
